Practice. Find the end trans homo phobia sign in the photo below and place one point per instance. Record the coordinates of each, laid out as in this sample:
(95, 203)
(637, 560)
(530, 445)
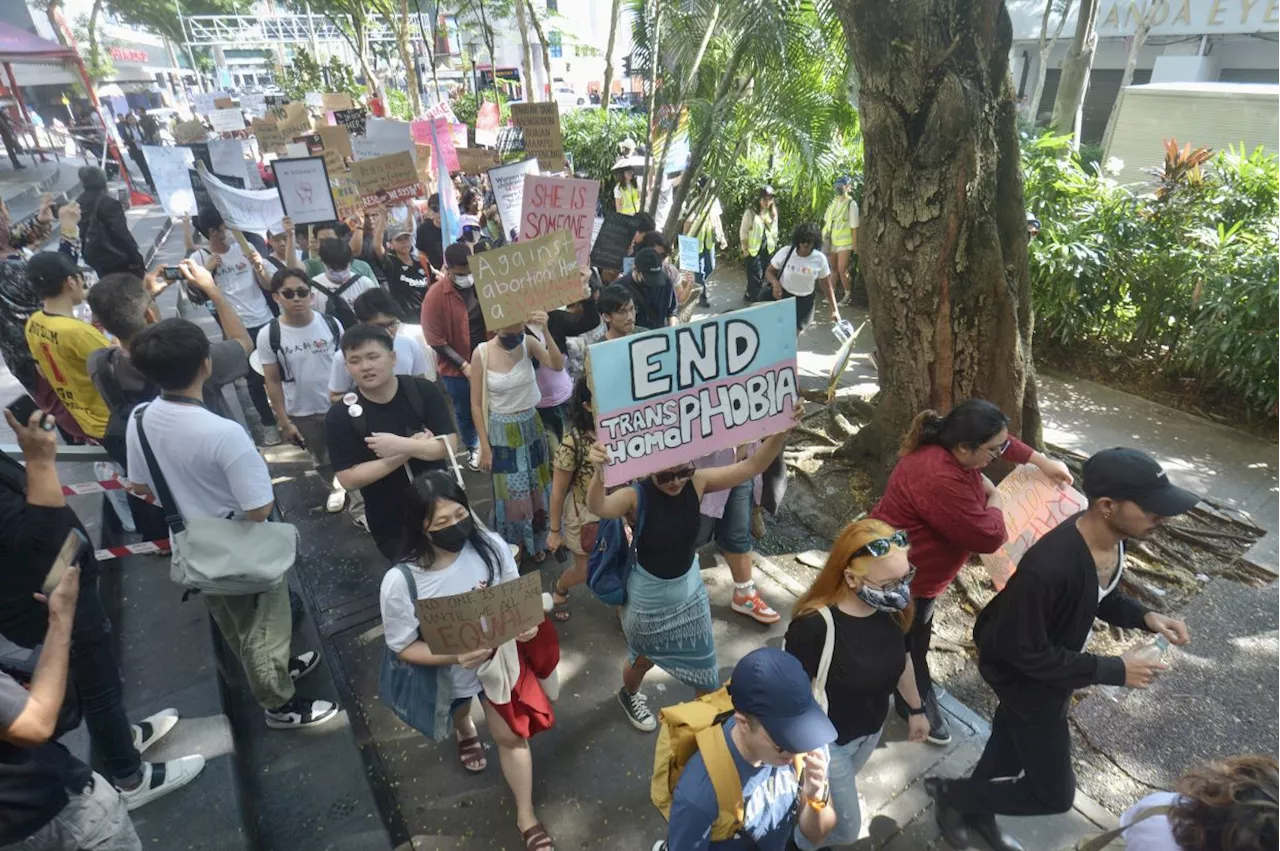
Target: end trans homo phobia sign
(665, 397)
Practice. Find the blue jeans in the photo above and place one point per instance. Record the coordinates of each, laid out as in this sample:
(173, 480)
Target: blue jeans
(459, 390)
(706, 265)
(842, 774)
(732, 530)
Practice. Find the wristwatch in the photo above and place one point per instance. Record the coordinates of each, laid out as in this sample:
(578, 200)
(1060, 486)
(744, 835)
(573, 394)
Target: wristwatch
(916, 711)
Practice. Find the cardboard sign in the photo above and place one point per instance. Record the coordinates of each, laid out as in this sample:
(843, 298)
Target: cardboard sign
(386, 179)
(690, 254)
(190, 131)
(304, 190)
(346, 197)
(353, 119)
(223, 103)
(665, 397)
(295, 121)
(270, 139)
(335, 139)
(476, 160)
(487, 120)
(206, 102)
(334, 101)
(257, 210)
(334, 161)
(169, 172)
(1033, 505)
(540, 124)
(614, 241)
(507, 182)
(482, 619)
(560, 203)
(420, 129)
(538, 274)
(227, 120)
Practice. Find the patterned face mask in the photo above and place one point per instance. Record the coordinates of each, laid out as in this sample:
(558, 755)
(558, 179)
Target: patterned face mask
(894, 600)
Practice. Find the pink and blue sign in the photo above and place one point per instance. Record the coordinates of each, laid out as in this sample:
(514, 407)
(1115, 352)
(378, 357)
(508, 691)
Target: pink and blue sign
(665, 397)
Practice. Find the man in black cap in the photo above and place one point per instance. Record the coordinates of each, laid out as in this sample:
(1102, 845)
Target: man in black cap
(653, 293)
(1031, 643)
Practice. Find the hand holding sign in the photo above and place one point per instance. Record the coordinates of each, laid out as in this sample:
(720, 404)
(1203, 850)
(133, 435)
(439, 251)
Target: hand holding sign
(478, 621)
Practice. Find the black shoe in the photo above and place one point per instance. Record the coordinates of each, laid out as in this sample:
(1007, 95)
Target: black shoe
(303, 664)
(300, 712)
(939, 731)
(702, 301)
(986, 826)
(950, 820)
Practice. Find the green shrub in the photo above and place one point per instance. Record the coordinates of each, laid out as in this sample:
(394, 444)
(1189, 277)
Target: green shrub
(591, 137)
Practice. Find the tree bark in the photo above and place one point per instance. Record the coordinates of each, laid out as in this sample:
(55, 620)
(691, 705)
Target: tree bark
(943, 242)
(650, 98)
(1046, 46)
(542, 42)
(608, 55)
(526, 55)
(1130, 65)
(95, 53)
(398, 20)
(1068, 107)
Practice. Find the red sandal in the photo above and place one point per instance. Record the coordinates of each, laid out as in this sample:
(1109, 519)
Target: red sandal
(536, 838)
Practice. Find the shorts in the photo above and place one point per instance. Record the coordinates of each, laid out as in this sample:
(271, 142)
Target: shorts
(580, 528)
(459, 702)
(732, 531)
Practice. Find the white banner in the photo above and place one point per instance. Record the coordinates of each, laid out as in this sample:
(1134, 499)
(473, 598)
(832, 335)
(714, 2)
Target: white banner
(257, 210)
(227, 120)
(508, 192)
(169, 173)
(227, 157)
(304, 190)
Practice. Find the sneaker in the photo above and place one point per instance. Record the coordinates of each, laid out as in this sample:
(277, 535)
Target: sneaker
(361, 521)
(660, 845)
(153, 728)
(757, 522)
(303, 664)
(300, 712)
(161, 778)
(637, 708)
(939, 731)
(754, 606)
(270, 435)
(702, 301)
(473, 461)
(336, 502)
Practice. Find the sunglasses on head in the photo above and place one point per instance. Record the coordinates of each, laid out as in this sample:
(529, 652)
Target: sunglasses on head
(879, 547)
(300, 292)
(668, 477)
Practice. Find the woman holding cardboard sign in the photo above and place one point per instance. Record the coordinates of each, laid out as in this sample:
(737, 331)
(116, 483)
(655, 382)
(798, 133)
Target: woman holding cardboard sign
(450, 553)
(666, 617)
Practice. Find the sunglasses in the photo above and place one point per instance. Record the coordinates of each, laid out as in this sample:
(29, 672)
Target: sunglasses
(300, 292)
(671, 476)
(897, 584)
(879, 547)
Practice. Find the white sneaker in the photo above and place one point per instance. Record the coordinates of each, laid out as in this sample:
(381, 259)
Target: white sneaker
(300, 712)
(153, 728)
(270, 435)
(161, 778)
(473, 461)
(336, 502)
(303, 664)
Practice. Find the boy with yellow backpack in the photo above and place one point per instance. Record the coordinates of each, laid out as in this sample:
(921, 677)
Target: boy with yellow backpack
(744, 768)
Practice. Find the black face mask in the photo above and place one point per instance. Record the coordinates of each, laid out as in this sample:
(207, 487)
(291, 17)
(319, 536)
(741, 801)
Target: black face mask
(511, 341)
(453, 538)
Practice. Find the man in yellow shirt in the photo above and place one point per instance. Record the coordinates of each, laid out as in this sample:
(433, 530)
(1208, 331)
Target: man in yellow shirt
(61, 343)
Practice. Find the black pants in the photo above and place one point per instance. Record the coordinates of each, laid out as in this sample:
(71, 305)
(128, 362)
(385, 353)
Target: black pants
(258, 389)
(1025, 769)
(755, 273)
(918, 639)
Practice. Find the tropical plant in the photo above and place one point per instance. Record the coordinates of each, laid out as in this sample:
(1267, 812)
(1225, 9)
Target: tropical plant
(304, 74)
(591, 137)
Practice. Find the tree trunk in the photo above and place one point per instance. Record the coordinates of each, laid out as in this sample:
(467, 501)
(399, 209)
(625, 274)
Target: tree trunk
(526, 55)
(650, 97)
(1045, 48)
(411, 80)
(608, 55)
(542, 42)
(487, 31)
(943, 242)
(1130, 65)
(95, 54)
(1074, 82)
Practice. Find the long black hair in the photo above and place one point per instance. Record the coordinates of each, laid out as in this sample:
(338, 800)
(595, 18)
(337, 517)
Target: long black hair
(424, 494)
(582, 420)
(971, 423)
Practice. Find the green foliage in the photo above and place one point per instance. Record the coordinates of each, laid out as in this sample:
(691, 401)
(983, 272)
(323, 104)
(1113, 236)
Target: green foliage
(398, 105)
(1182, 274)
(161, 16)
(591, 136)
(304, 74)
(465, 106)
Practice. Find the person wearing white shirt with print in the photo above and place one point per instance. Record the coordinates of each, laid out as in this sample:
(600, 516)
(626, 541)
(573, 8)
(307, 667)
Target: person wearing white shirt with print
(377, 307)
(796, 270)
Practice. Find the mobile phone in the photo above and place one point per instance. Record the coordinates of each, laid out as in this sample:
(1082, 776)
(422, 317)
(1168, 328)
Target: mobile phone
(72, 550)
(171, 273)
(22, 408)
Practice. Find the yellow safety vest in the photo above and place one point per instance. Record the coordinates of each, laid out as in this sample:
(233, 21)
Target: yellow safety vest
(835, 223)
(762, 233)
(706, 229)
(628, 200)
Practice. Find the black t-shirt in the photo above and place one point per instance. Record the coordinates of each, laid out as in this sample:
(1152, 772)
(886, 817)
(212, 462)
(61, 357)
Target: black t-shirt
(866, 662)
(407, 283)
(428, 240)
(475, 318)
(670, 532)
(385, 499)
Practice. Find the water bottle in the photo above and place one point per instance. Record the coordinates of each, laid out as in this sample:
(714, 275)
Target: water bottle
(1156, 651)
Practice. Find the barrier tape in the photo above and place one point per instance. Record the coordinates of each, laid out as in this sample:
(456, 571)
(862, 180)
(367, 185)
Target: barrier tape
(115, 483)
(143, 548)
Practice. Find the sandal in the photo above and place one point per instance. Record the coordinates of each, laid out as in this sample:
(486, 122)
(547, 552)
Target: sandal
(540, 557)
(559, 610)
(536, 838)
(471, 753)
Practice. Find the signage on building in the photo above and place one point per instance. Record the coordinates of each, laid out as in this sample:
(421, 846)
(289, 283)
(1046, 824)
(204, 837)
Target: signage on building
(1118, 18)
(127, 54)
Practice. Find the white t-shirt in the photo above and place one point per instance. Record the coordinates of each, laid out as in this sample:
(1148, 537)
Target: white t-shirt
(209, 462)
(307, 353)
(1153, 833)
(234, 276)
(802, 273)
(467, 573)
(349, 295)
(412, 358)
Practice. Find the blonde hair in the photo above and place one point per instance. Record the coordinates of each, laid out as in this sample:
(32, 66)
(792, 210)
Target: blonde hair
(829, 588)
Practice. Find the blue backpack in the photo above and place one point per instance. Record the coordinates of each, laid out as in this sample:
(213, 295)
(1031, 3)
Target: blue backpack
(609, 565)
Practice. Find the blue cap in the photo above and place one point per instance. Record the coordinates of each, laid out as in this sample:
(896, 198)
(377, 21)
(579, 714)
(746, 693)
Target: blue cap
(771, 686)
(844, 180)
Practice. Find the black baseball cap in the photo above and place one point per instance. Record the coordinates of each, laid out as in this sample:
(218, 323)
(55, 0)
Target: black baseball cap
(1133, 475)
(771, 686)
(46, 270)
(649, 262)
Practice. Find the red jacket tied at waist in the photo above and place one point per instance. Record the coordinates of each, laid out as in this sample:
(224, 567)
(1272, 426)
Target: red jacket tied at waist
(528, 711)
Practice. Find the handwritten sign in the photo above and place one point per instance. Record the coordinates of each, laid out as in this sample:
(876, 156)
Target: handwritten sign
(690, 254)
(613, 241)
(476, 160)
(226, 157)
(294, 121)
(224, 103)
(190, 131)
(507, 182)
(335, 139)
(540, 124)
(270, 139)
(206, 102)
(353, 119)
(333, 101)
(304, 190)
(346, 197)
(436, 135)
(256, 210)
(665, 397)
(1033, 505)
(481, 619)
(386, 179)
(487, 120)
(227, 120)
(169, 172)
(560, 203)
(253, 103)
(538, 274)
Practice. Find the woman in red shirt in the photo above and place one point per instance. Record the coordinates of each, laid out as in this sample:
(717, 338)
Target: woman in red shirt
(938, 494)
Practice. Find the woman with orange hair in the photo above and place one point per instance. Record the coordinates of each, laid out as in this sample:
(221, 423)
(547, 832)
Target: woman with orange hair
(847, 633)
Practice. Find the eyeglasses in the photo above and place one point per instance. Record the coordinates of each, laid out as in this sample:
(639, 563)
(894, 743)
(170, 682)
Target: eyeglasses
(879, 547)
(996, 453)
(388, 326)
(895, 585)
(300, 292)
(672, 476)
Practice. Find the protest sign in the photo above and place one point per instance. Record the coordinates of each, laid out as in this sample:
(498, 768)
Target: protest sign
(270, 139)
(304, 190)
(335, 139)
(442, 145)
(254, 104)
(206, 102)
(690, 253)
(315, 144)
(507, 182)
(257, 210)
(189, 131)
(346, 198)
(223, 103)
(665, 397)
(459, 133)
(386, 179)
(481, 619)
(442, 109)
(560, 203)
(537, 274)
(333, 101)
(296, 150)
(613, 241)
(200, 153)
(1033, 505)
(476, 160)
(334, 161)
(294, 121)
(510, 140)
(420, 129)
(227, 120)
(353, 119)
(487, 120)
(203, 200)
(168, 167)
(313, 100)
(390, 131)
(540, 124)
(226, 157)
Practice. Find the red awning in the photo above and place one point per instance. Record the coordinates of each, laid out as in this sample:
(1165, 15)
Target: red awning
(18, 45)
